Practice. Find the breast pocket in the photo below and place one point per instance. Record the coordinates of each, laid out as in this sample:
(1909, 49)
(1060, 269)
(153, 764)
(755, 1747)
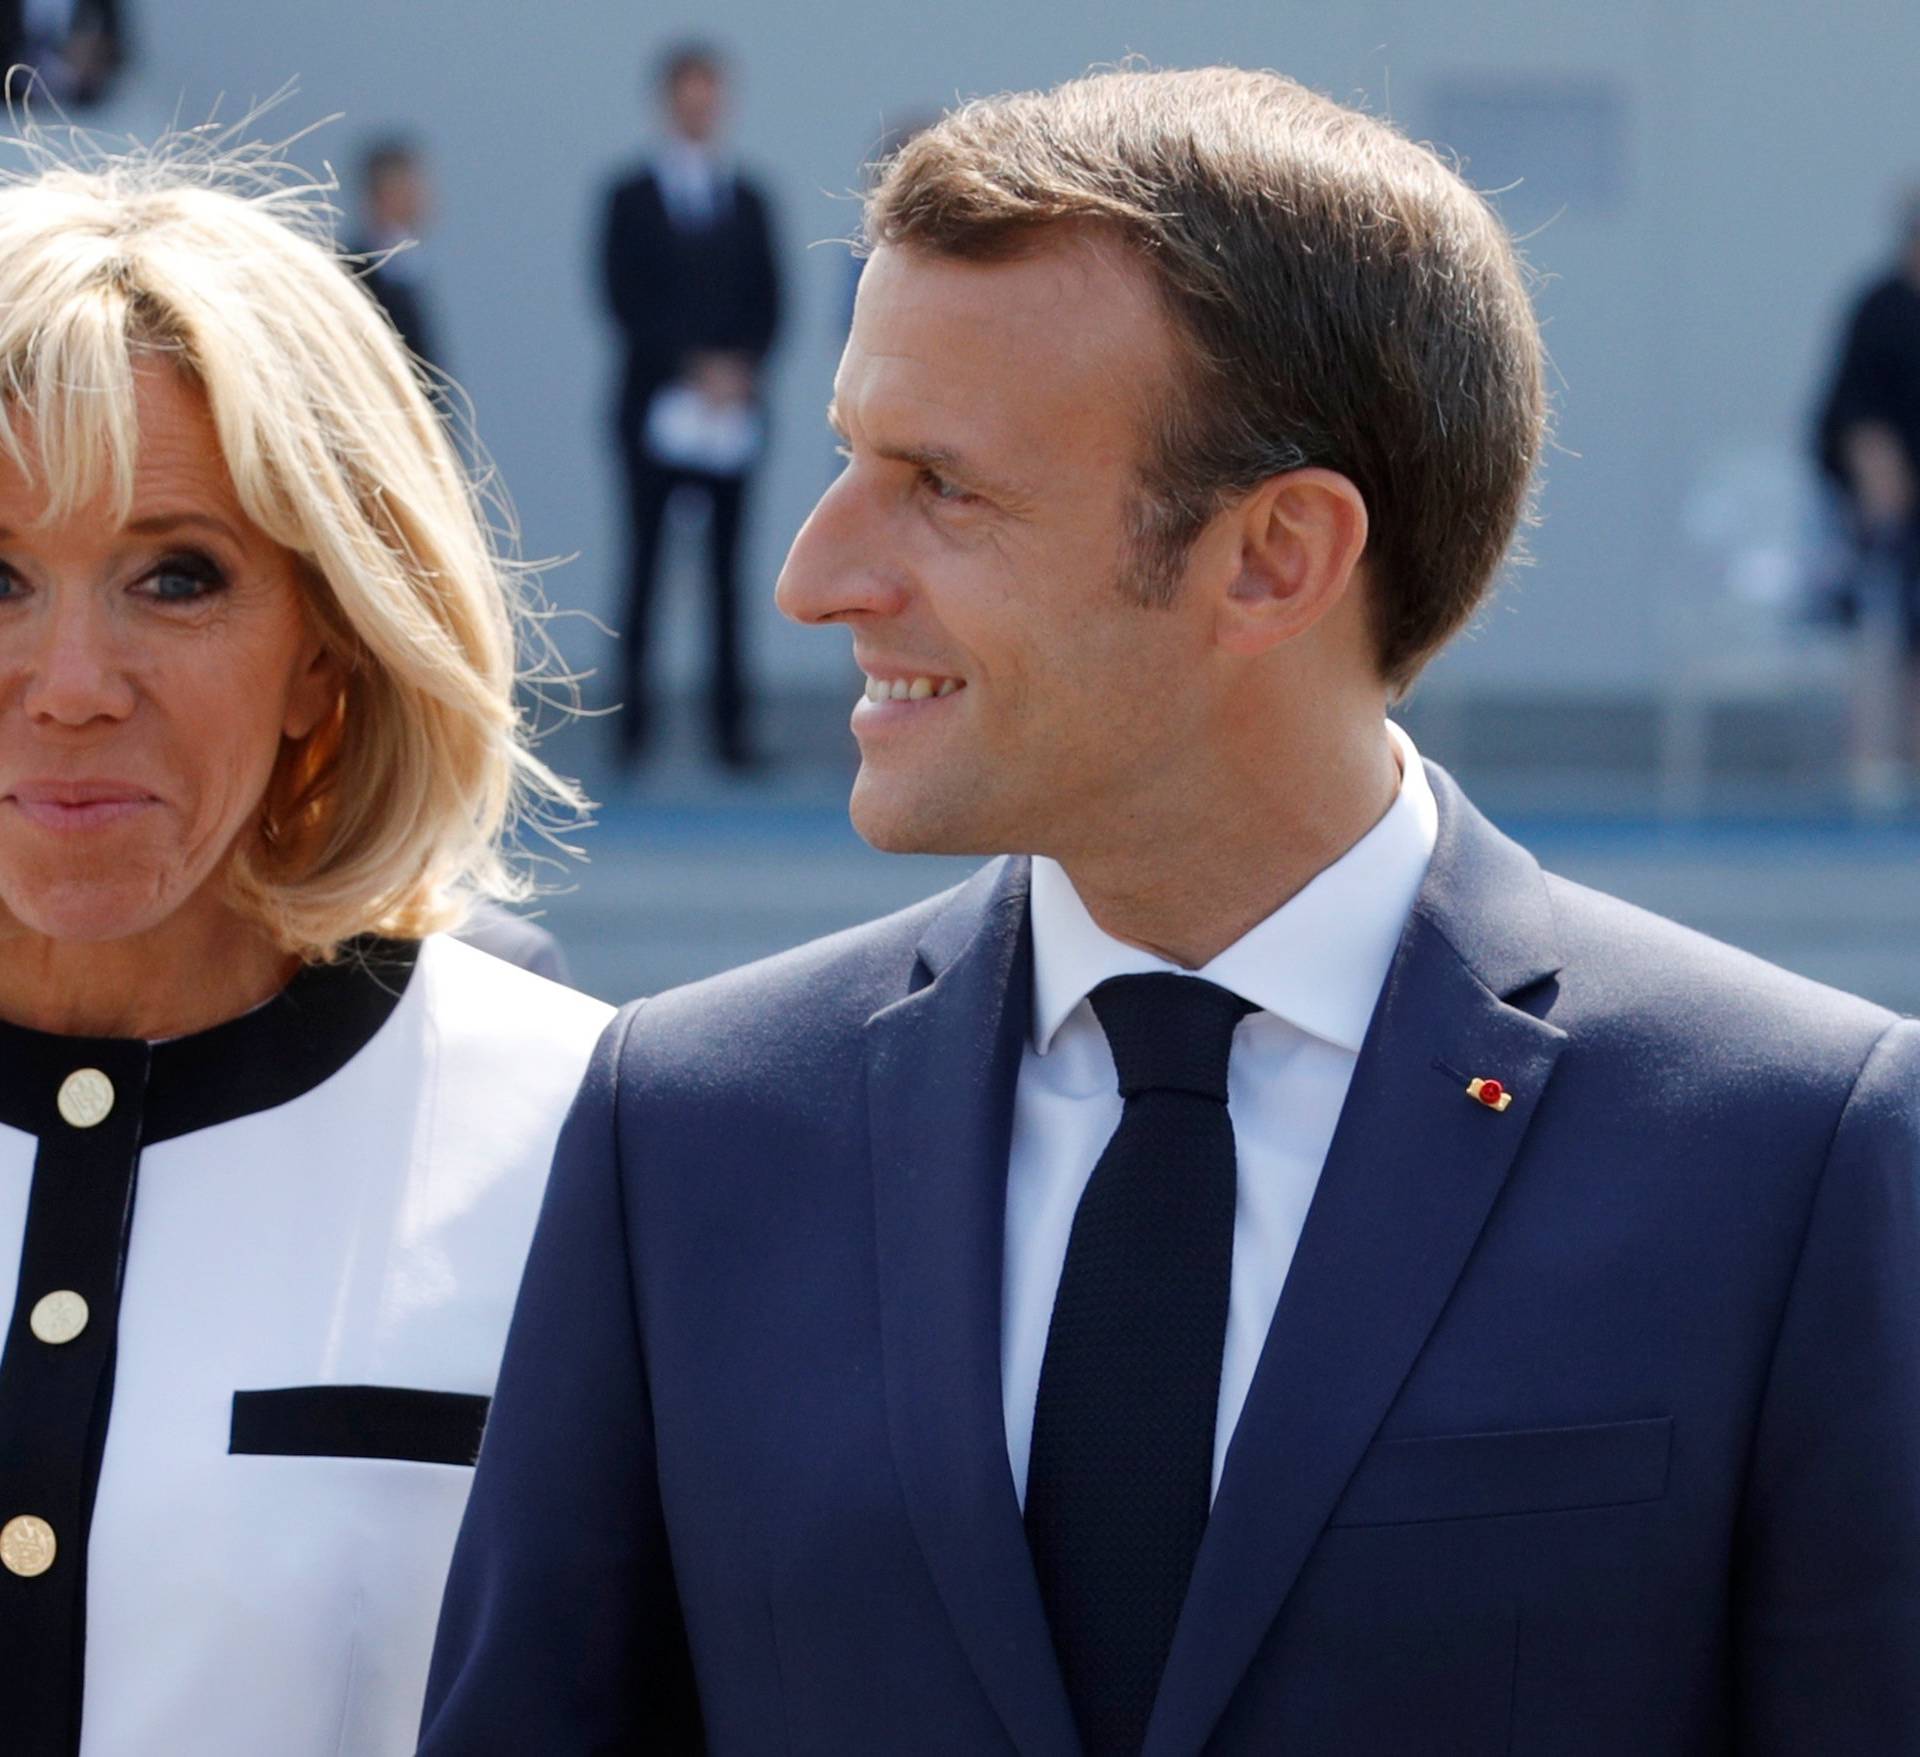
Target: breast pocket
(1485, 1476)
(358, 1421)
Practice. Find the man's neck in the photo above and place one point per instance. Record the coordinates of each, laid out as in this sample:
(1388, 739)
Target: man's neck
(1187, 886)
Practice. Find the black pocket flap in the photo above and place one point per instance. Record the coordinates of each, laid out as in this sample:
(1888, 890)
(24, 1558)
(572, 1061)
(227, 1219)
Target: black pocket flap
(359, 1421)
(1481, 1476)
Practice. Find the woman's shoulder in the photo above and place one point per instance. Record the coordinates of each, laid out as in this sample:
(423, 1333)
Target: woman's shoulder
(498, 1015)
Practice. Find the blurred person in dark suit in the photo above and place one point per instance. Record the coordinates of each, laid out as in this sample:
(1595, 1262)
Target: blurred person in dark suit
(74, 47)
(396, 206)
(688, 269)
(1868, 441)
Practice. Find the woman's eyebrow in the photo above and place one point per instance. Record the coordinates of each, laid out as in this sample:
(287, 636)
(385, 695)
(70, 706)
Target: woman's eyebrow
(159, 524)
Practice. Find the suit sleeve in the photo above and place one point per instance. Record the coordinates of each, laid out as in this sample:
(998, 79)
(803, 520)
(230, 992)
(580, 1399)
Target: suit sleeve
(632, 282)
(1827, 1588)
(763, 273)
(1879, 362)
(561, 1629)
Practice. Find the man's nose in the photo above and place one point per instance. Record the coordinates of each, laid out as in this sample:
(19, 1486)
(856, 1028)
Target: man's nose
(76, 672)
(838, 569)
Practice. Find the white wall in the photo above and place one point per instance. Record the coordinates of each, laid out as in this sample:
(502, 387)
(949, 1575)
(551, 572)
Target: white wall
(1761, 147)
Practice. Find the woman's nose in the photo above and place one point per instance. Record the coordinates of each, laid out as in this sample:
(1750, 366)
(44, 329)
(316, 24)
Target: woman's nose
(75, 671)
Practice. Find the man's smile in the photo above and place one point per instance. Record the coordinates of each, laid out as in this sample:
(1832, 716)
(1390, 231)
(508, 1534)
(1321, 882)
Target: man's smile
(911, 689)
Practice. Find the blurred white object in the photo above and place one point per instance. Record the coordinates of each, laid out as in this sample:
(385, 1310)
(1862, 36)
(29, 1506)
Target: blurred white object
(687, 431)
(1756, 526)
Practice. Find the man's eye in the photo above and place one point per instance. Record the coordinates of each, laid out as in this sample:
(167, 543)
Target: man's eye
(951, 493)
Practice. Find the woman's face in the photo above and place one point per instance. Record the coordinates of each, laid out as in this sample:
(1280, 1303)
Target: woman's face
(148, 674)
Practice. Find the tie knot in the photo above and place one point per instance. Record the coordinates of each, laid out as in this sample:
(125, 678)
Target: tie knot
(1169, 1033)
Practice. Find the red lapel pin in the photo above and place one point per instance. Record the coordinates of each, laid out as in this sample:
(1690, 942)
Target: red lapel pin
(1490, 1093)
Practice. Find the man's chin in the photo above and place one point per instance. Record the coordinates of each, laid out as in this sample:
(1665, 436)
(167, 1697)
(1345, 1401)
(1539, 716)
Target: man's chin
(895, 820)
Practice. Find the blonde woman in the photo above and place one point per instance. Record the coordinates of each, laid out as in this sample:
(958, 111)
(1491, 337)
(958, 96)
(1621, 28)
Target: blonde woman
(271, 1143)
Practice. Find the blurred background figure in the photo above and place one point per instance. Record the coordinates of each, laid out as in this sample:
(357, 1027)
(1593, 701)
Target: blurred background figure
(1869, 448)
(75, 47)
(396, 209)
(689, 273)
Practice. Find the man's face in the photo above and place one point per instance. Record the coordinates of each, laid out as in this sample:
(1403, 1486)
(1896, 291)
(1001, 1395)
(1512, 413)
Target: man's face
(976, 545)
(400, 199)
(695, 102)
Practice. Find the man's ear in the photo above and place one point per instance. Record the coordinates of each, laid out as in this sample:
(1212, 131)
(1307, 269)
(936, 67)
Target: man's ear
(1301, 537)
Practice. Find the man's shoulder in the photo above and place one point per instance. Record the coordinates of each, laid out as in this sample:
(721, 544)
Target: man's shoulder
(750, 190)
(804, 1006)
(631, 183)
(1890, 300)
(1635, 976)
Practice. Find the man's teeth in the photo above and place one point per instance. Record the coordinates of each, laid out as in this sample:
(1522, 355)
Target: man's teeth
(910, 689)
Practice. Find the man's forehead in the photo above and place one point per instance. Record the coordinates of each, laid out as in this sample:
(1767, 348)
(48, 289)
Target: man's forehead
(1059, 286)
(1066, 325)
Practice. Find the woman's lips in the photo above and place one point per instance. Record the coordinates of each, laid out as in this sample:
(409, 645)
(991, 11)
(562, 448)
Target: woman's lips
(79, 805)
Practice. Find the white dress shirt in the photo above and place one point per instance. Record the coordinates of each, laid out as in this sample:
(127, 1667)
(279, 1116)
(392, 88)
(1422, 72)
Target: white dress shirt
(1314, 969)
(691, 184)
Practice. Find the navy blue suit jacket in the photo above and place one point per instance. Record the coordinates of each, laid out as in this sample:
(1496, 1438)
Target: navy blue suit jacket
(1589, 1427)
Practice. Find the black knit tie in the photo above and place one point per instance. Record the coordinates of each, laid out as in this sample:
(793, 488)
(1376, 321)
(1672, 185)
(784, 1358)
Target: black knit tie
(1121, 1469)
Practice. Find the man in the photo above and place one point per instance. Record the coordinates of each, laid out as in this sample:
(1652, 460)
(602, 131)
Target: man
(73, 50)
(1868, 441)
(397, 208)
(688, 269)
(917, 1355)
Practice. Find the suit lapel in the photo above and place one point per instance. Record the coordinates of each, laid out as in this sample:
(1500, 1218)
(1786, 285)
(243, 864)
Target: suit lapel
(1413, 1171)
(941, 1070)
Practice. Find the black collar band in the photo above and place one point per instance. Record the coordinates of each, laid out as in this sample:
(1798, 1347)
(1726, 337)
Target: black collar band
(305, 1035)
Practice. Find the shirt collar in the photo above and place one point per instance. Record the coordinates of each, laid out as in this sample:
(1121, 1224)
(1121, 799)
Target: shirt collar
(1319, 961)
(687, 166)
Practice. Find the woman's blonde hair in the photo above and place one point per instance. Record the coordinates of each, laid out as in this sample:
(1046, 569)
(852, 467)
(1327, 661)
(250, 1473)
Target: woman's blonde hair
(215, 256)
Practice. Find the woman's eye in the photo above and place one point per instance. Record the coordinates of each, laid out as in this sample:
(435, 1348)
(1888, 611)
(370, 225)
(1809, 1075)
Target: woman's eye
(184, 579)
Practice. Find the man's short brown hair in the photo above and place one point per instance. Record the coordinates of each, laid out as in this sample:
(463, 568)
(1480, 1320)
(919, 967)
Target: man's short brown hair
(1343, 299)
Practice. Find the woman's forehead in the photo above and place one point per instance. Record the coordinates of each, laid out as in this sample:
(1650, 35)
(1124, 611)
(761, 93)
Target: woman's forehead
(175, 464)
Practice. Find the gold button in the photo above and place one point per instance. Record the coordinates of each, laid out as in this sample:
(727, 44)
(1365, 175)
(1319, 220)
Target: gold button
(86, 1097)
(60, 1317)
(26, 1546)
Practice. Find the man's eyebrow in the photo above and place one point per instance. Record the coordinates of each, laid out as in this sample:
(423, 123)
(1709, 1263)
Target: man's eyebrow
(942, 460)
